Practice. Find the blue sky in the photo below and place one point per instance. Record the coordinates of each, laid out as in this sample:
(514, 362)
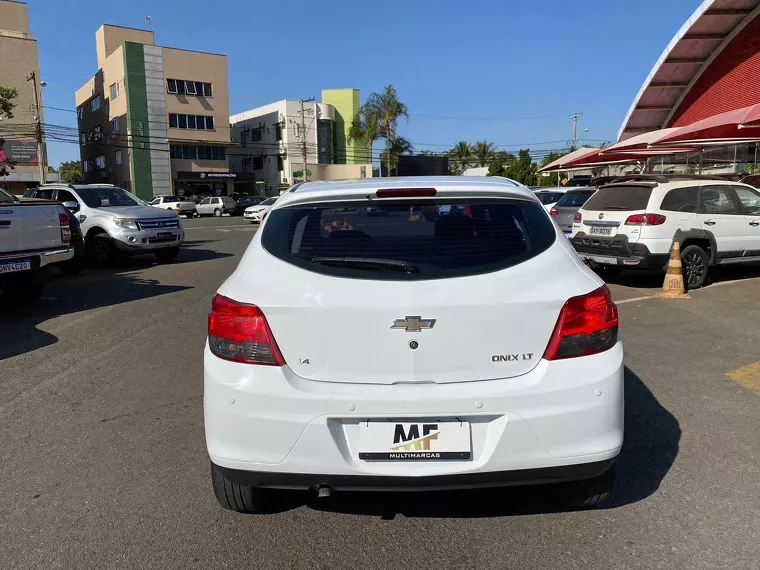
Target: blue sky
(452, 63)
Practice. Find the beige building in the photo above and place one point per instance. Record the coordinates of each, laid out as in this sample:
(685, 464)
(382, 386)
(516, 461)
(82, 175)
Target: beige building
(18, 59)
(153, 119)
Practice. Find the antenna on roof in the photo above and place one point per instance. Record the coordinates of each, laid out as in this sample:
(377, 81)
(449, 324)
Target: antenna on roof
(149, 18)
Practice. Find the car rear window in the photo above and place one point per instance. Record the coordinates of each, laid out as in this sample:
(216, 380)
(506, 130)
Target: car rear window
(619, 197)
(574, 199)
(403, 240)
(549, 197)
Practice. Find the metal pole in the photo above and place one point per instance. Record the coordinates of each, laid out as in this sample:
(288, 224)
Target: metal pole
(736, 169)
(38, 129)
(701, 153)
(304, 150)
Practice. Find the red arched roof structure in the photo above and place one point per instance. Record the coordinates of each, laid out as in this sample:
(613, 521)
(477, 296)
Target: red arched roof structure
(711, 65)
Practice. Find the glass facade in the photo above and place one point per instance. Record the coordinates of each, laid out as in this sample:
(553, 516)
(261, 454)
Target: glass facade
(325, 141)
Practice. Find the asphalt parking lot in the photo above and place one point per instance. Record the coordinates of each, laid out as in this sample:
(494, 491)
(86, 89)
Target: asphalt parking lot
(103, 461)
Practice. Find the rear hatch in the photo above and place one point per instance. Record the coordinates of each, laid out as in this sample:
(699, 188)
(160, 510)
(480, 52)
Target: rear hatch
(430, 290)
(603, 216)
(29, 225)
(567, 206)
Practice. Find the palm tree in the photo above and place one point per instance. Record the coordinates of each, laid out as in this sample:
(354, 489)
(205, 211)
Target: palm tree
(483, 151)
(399, 146)
(461, 156)
(365, 129)
(387, 109)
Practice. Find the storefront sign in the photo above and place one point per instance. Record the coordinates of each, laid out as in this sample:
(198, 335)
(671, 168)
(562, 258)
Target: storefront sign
(20, 152)
(207, 175)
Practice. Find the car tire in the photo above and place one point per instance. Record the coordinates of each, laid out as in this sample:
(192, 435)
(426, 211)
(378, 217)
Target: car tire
(586, 493)
(218, 213)
(234, 496)
(695, 265)
(101, 251)
(167, 254)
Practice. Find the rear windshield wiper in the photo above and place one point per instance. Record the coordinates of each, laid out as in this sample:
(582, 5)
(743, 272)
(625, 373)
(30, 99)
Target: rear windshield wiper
(371, 261)
(617, 208)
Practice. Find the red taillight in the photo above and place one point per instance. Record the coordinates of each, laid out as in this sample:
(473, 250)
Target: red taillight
(554, 212)
(577, 217)
(645, 220)
(406, 193)
(178, 206)
(240, 333)
(63, 220)
(587, 324)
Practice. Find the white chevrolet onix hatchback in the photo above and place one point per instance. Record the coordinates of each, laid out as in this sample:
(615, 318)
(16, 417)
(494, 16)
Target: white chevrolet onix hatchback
(451, 339)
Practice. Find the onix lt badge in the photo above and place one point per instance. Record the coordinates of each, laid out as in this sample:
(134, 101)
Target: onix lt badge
(413, 324)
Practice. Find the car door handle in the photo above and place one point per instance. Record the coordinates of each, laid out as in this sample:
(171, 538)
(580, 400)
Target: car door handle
(710, 223)
(754, 223)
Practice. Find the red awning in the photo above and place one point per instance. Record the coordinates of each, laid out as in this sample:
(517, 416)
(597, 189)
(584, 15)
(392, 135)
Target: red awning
(733, 125)
(641, 141)
(562, 162)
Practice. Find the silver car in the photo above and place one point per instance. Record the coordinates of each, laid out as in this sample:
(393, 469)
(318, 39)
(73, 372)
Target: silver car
(568, 205)
(216, 206)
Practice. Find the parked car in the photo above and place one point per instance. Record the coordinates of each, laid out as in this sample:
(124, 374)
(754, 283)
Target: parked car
(359, 358)
(216, 206)
(34, 234)
(177, 204)
(255, 214)
(631, 224)
(74, 265)
(116, 223)
(244, 201)
(566, 207)
(549, 197)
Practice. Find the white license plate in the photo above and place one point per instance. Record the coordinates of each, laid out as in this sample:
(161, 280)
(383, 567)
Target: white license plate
(414, 441)
(600, 231)
(162, 235)
(13, 266)
(605, 260)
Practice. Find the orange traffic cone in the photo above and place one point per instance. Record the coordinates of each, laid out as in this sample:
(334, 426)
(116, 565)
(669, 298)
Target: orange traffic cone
(673, 287)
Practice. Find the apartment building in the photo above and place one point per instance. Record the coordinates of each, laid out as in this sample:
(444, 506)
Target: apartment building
(272, 140)
(18, 59)
(153, 119)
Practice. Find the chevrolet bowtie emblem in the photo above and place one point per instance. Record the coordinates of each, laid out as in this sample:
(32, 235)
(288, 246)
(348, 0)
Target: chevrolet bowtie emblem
(413, 324)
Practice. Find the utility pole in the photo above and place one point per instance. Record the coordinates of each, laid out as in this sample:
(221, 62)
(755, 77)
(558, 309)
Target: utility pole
(574, 117)
(38, 129)
(304, 149)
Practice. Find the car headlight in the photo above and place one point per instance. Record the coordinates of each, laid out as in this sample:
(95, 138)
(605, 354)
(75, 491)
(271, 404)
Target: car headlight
(126, 223)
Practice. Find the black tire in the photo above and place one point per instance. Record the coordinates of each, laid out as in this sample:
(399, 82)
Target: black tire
(586, 493)
(102, 251)
(218, 213)
(695, 265)
(167, 254)
(234, 496)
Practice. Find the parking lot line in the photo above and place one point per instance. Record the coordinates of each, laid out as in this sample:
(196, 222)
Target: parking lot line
(748, 376)
(644, 298)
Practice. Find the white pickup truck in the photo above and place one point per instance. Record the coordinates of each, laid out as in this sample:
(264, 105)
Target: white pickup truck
(177, 204)
(33, 235)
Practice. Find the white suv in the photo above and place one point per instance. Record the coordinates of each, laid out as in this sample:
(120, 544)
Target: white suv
(631, 224)
(454, 341)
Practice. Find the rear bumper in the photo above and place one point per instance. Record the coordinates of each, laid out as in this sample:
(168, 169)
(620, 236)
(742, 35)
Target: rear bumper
(617, 251)
(275, 480)
(44, 257)
(545, 425)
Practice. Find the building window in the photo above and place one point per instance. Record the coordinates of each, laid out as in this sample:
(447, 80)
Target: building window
(180, 87)
(196, 122)
(211, 153)
(190, 88)
(171, 85)
(118, 157)
(186, 152)
(257, 133)
(100, 162)
(280, 166)
(115, 126)
(258, 162)
(80, 112)
(207, 90)
(97, 133)
(114, 90)
(96, 103)
(277, 132)
(243, 138)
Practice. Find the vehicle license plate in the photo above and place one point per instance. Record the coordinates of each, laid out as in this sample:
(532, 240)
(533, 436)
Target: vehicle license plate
(600, 231)
(13, 266)
(162, 235)
(605, 260)
(414, 441)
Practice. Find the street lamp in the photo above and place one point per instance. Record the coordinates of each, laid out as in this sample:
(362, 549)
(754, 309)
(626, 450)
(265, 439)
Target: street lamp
(580, 137)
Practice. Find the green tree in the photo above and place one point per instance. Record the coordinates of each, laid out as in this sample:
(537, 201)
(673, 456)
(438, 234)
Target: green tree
(7, 95)
(523, 170)
(399, 146)
(71, 172)
(552, 179)
(483, 152)
(460, 157)
(365, 130)
(499, 163)
(387, 109)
